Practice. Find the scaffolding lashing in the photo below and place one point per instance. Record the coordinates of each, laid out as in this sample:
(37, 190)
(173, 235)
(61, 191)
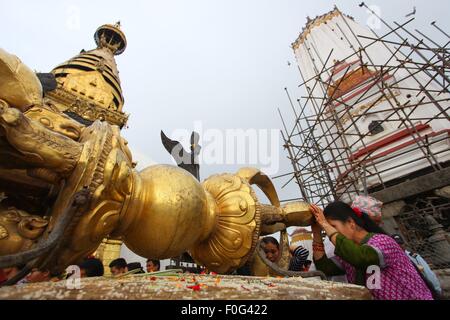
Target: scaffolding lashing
(373, 112)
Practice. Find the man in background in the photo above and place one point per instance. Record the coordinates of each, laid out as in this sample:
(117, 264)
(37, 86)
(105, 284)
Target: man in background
(118, 266)
(37, 275)
(136, 267)
(91, 267)
(153, 265)
(11, 272)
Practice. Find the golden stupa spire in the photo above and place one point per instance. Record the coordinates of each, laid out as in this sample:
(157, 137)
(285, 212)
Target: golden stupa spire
(89, 84)
(111, 37)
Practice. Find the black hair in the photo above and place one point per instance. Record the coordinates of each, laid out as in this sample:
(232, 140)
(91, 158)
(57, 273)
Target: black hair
(342, 212)
(93, 267)
(118, 263)
(135, 266)
(19, 266)
(244, 270)
(272, 240)
(155, 262)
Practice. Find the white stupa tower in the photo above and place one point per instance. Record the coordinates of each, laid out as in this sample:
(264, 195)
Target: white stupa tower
(378, 114)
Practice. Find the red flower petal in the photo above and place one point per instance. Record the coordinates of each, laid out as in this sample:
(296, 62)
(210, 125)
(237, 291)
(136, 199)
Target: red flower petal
(195, 288)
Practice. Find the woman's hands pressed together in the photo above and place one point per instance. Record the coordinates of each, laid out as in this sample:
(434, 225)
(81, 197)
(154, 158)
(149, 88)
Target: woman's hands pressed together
(322, 223)
(318, 215)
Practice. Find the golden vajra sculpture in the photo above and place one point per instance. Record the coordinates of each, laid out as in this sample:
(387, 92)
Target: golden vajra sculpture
(68, 179)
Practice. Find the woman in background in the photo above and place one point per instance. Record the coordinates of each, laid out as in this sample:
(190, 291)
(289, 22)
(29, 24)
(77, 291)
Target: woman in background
(299, 254)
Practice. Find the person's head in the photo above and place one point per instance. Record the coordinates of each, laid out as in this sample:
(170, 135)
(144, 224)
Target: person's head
(118, 266)
(135, 266)
(91, 267)
(153, 265)
(398, 238)
(307, 265)
(271, 248)
(11, 272)
(38, 275)
(349, 222)
(2, 276)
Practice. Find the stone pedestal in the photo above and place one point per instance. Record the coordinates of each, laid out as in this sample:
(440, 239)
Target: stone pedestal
(191, 287)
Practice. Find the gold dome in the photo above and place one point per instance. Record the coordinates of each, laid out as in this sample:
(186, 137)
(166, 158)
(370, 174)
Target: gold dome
(89, 85)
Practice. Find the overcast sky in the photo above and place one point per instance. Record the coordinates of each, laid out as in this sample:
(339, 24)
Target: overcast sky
(223, 63)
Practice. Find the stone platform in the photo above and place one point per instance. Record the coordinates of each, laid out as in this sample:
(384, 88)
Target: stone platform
(190, 287)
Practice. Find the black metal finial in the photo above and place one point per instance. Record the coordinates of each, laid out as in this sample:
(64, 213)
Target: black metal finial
(185, 160)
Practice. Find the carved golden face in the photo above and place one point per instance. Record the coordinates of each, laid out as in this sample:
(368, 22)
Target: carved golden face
(56, 121)
(18, 230)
